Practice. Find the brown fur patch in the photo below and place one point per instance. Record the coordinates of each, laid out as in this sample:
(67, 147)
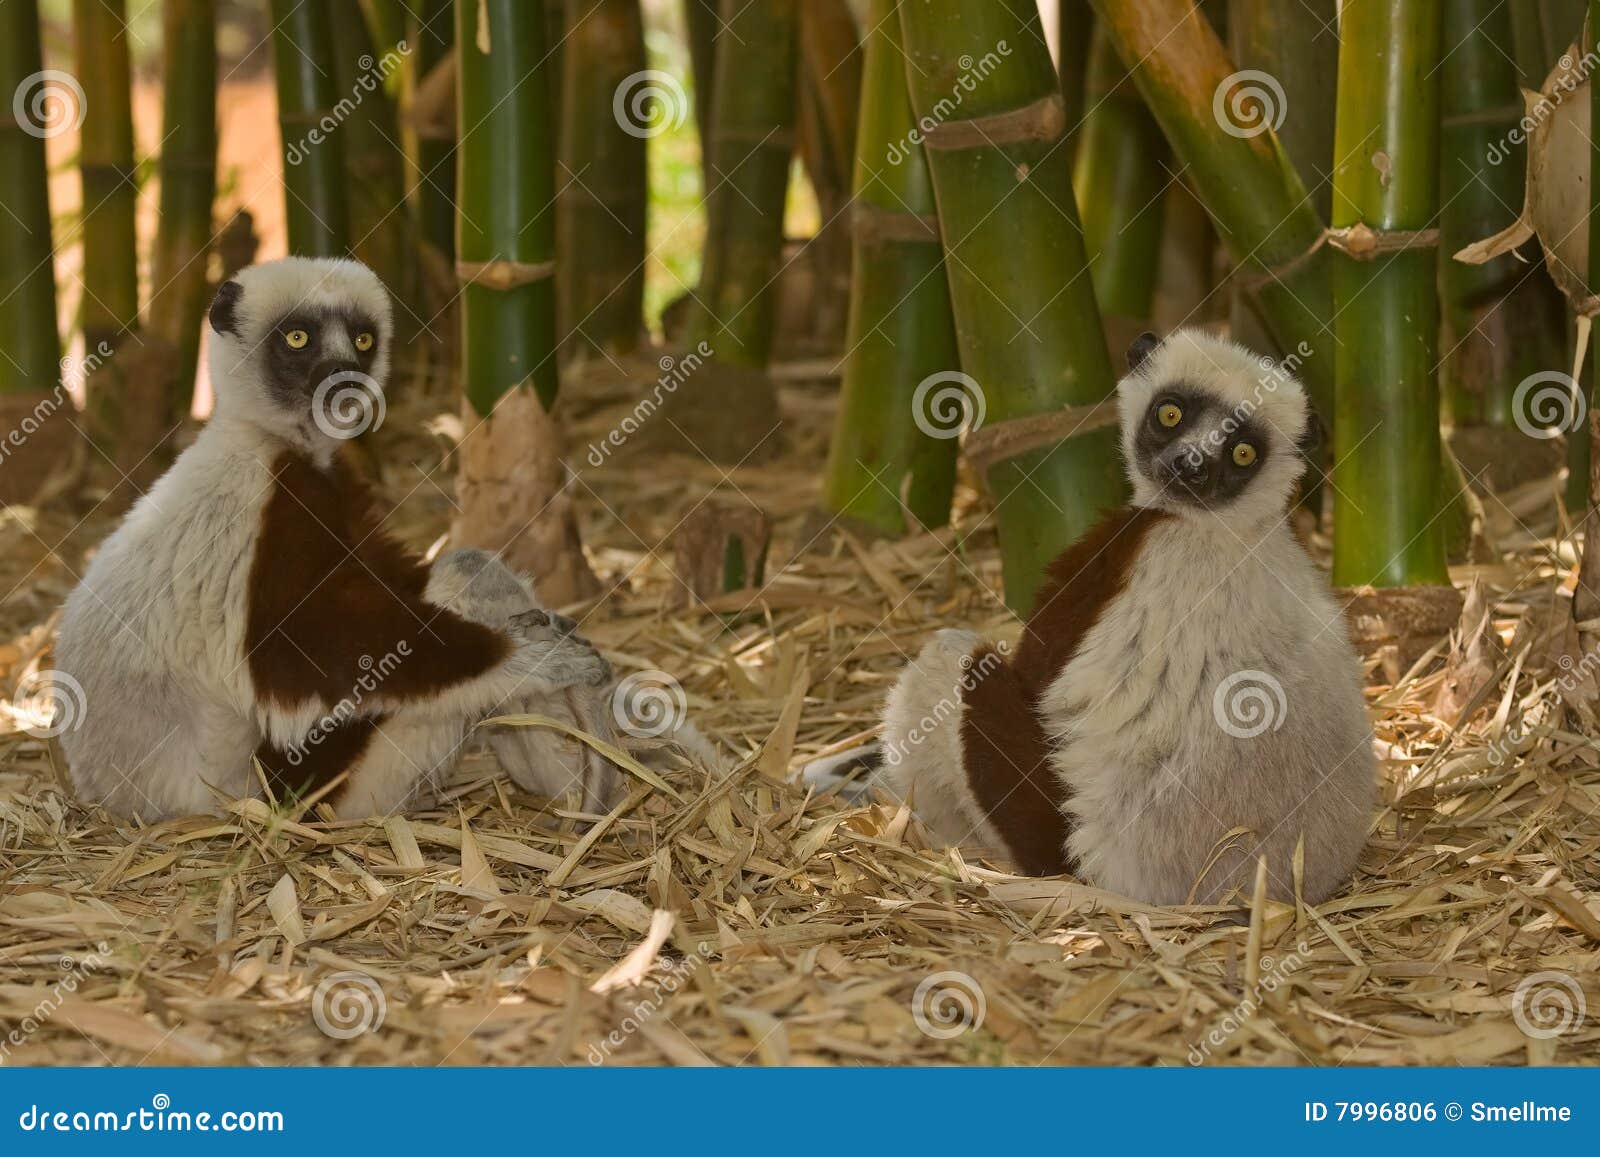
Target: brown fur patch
(331, 595)
(318, 764)
(1005, 748)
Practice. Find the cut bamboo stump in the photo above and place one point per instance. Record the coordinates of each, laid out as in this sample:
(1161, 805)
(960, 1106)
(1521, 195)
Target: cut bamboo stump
(721, 548)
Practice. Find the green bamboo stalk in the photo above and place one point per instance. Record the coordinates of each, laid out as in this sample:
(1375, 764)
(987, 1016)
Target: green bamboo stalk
(433, 35)
(1074, 35)
(314, 175)
(1237, 167)
(1299, 49)
(1386, 479)
(881, 465)
(601, 203)
(506, 185)
(27, 276)
(752, 140)
(386, 22)
(1503, 319)
(1563, 25)
(381, 228)
(179, 291)
(1026, 322)
(703, 25)
(1117, 181)
(105, 162)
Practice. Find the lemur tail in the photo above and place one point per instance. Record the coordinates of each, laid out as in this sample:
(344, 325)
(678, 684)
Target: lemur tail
(851, 773)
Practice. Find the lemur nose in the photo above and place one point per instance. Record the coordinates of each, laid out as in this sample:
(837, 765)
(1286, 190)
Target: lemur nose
(1188, 467)
(328, 367)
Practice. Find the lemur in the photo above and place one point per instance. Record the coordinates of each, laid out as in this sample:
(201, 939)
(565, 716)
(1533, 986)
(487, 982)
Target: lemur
(251, 608)
(1184, 698)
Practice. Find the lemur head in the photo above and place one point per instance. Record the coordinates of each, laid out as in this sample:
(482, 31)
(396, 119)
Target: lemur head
(300, 346)
(1210, 430)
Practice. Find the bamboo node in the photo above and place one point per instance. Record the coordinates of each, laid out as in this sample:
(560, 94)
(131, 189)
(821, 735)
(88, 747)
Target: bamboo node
(503, 275)
(1365, 243)
(1043, 120)
(873, 224)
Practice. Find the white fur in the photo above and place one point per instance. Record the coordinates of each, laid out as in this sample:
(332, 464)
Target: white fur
(155, 632)
(1152, 781)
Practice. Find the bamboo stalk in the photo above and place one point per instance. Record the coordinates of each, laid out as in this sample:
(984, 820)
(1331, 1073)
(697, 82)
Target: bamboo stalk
(1237, 167)
(1502, 319)
(1074, 35)
(1299, 49)
(1117, 181)
(602, 199)
(1386, 479)
(1586, 593)
(435, 190)
(512, 485)
(1026, 322)
(314, 176)
(703, 25)
(179, 290)
(752, 141)
(105, 162)
(28, 301)
(884, 472)
(382, 231)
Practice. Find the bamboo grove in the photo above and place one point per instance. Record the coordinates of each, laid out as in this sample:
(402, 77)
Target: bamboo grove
(998, 213)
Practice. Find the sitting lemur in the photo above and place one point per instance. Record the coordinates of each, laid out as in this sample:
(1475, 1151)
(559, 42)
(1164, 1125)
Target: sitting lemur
(252, 609)
(1184, 698)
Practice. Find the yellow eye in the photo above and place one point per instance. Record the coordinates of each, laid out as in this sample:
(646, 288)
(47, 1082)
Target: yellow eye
(1244, 454)
(363, 342)
(297, 339)
(1169, 415)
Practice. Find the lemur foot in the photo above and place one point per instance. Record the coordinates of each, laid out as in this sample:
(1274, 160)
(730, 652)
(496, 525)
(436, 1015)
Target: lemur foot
(563, 659)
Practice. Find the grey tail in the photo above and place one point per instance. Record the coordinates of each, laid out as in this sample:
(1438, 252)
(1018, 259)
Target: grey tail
(849, 773)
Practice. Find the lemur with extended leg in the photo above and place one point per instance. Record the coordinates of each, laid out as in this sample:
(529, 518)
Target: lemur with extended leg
(251, 606)
(1184, 697)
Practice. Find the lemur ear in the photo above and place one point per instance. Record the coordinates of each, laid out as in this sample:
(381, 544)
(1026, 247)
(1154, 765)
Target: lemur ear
(1314, 435)
(224, 305)
(1143, 346)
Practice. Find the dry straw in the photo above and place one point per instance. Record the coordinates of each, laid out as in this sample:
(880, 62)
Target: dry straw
(732, 919)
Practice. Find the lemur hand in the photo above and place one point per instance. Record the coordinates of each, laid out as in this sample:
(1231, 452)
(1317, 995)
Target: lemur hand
(559, 656)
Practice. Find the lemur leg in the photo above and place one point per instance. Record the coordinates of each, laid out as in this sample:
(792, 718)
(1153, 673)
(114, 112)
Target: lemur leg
(478, 586)
(962, 742)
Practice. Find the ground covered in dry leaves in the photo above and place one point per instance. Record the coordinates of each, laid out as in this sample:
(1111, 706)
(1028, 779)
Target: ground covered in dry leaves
(731, 918)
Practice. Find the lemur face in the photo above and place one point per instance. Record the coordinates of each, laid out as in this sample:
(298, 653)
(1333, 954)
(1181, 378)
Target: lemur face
(1209, 429)
(287, 334)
